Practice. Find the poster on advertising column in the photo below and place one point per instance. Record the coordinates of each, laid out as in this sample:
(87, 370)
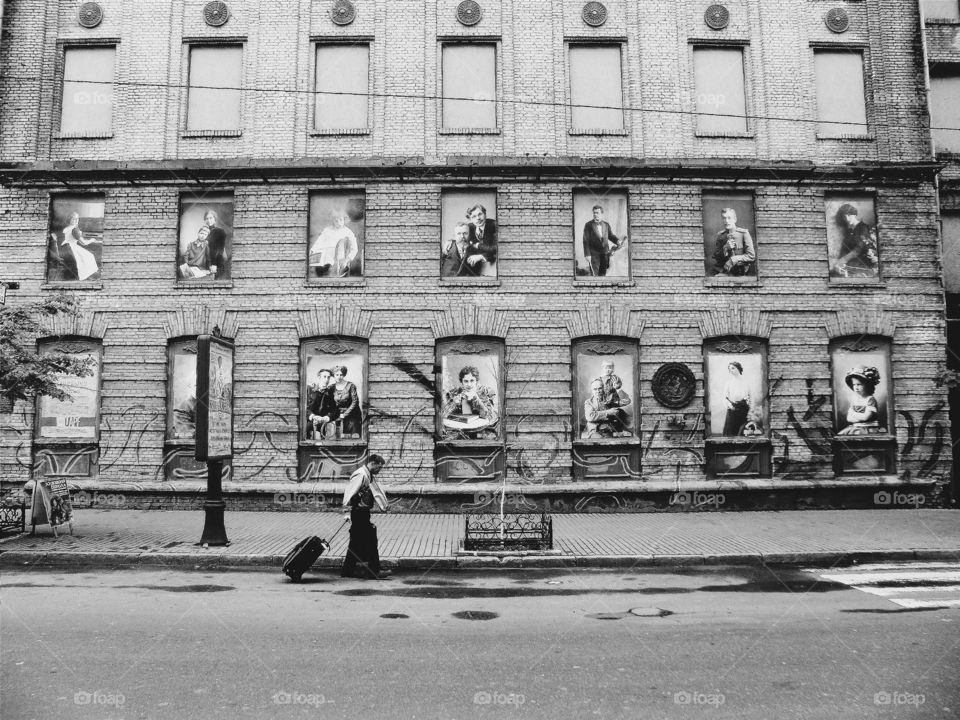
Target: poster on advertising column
(214, 398)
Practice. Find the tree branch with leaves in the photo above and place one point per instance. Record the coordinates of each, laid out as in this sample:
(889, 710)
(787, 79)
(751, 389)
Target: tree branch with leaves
(25, 373)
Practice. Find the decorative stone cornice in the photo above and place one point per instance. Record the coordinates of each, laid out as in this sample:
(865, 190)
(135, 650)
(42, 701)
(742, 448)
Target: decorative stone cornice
(339, 321)
(470, 320)
(200, 321)
(613, 321)
(85, 324)
(868, 321)
(733, 321)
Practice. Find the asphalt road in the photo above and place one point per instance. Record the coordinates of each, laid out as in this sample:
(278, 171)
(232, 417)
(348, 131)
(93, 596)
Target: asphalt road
(684, 643)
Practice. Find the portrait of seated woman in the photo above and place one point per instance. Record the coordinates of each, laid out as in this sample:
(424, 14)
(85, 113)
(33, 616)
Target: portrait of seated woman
(470, 411)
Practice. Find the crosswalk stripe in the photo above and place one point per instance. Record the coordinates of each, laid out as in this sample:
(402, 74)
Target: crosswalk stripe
(913, 586)
(911, 603)
(861, 578)
(890, 591)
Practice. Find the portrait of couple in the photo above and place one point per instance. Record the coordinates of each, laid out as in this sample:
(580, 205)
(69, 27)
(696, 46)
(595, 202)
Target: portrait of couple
(206, 238)
(471, 236)
(335, 397)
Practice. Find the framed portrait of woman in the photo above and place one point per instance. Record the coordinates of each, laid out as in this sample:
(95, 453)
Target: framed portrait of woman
(75, 238)
(205, 245)
(737, 407)
(852, 240)
(335, 242)
(864, 432)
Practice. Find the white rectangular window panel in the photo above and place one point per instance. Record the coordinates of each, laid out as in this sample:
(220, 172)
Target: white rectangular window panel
(721, 93)
(214, 92)
(841, 100)
(469, 87)
(342, 87)
(945, 112)
(596, 87)
(87, 105)
(941, 9)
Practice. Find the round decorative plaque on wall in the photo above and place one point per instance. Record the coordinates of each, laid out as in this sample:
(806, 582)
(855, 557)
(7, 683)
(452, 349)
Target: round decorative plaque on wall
(216, 14)
(674, 385)
(594, 14)
(90, 15)
(717, 17)
(343, 12)
(469, 12)
(837, 20)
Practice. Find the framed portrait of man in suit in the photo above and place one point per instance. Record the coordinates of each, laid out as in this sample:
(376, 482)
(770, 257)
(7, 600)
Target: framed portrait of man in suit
(470, 235)
(601, 229)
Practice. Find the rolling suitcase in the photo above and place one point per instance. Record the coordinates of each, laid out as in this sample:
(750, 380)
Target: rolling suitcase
(305, 554)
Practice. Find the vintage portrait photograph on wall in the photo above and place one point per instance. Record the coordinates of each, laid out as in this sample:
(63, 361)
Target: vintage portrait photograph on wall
(852, 240)
(729, 235)
(470, 236)
(605, 401)
(337, 227)
(75, 238)
(182, 391)
(335, 375)
(601, 228)
(205, 247)
(736, 394)
(861, 390)
(470, 384)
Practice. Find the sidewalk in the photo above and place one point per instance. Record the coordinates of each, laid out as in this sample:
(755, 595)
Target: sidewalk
(106, 538)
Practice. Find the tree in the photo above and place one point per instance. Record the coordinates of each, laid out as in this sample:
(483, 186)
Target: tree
(25, 373)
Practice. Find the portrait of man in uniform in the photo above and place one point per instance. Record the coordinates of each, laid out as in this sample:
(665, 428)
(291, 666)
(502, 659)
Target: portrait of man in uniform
(729, 236)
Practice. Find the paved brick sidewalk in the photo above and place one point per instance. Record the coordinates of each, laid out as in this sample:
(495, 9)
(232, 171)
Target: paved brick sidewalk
(112, 537)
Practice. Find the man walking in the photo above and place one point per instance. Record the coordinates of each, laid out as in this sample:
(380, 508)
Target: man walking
(363, 558)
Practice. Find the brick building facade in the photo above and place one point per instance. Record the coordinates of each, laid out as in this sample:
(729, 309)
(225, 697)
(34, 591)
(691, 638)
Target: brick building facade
(768, 138)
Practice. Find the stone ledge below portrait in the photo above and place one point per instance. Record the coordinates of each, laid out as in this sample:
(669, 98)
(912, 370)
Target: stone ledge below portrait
(855, 283)
(83, 136)
(328, 132)
(334, 283)
(186, 134)
(475, 282)
(853, 137)
(732, 282)
(204, 285)
(73, 285)
(603, 282)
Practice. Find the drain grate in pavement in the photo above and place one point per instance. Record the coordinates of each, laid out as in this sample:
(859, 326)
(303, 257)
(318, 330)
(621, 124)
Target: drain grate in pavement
(394, 616)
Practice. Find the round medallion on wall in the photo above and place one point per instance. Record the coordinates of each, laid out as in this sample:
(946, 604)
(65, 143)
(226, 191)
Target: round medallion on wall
(343, 12)
(469, 12)
(837, 20)
(674, 385)
(594, 14)
(216, 14)
(90, 15)
(717, 17)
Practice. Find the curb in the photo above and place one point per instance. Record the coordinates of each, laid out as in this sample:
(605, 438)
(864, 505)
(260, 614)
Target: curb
(219, 560)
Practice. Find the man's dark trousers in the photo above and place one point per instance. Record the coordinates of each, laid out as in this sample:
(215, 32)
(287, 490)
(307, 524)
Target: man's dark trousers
(363, 544)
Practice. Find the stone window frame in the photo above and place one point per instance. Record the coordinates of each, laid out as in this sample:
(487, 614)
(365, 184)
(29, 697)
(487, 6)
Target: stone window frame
(869, 101)
(316, 41)
(201, 41)
(621, 42)
(188, 344)
(884, 444)
(497, 42)
(333, 344)
(954, 72)
(745, 48)
(59, 73)
(67, 453)
(759, 447)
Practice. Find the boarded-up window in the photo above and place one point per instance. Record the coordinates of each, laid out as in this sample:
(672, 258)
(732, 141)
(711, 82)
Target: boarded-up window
(469, 86)
(596, 87)
(945, 110)
(941, 9)
(951, 252)
(87, 103)
(841, 101)
(721, 95)
(342, 86)
(214, 92)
